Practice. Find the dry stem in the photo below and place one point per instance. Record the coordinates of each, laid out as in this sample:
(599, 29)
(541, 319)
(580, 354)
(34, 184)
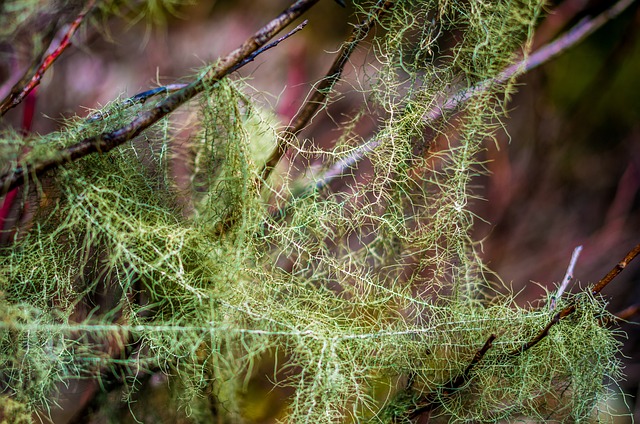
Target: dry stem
(572, 307)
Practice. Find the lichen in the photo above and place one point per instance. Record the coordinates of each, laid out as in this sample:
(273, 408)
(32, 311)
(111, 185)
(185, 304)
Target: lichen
(357, 292)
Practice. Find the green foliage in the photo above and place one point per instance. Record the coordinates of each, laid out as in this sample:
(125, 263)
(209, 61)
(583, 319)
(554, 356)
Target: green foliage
(356, 292)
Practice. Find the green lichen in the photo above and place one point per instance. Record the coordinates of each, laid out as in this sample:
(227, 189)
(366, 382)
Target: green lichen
(355, 293)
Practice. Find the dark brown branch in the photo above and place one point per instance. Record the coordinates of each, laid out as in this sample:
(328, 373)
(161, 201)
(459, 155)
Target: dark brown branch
(171, 88)
(18, 93)
(616, 270)
(139, 98)
(108, 141)
(323, 88)
(545, 331)
(434, 399)
(572, 307)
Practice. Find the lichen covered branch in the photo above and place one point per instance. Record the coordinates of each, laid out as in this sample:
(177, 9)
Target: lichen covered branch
(107, 141)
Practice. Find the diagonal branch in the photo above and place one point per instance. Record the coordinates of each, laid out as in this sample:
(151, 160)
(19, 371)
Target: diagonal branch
(19, 92)
(572, 37)
(142, 97)
(323, 88)
(435, 398)
(620, 266)
(572, 307)
(107, 141)
(541, 56)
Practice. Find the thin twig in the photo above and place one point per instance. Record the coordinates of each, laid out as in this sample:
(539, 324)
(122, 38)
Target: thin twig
(572, 307)
(434, 399)
(568, 276)
(107, 141)
(139, 98)
(323, 88)
(142, 97)
(616, 270)
(18, 94)
(539, 57)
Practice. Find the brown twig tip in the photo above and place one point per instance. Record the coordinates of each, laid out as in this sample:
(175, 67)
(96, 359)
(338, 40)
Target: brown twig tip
(616, 270)
(572, 307)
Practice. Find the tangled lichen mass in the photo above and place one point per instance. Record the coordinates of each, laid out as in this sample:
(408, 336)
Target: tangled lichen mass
(372, 300)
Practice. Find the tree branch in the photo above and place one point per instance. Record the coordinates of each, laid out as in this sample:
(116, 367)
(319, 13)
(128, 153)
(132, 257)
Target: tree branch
(18, 94)
(171, 88)
(569, 39)
(620, 266)
(539, 57)
(434, 399)
(323, 88)
(107, 141)
(572, 307)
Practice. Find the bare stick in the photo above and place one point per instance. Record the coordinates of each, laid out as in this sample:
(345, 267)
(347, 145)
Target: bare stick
(568, 276)
(616, 270)
(572, 308)
(539, 57)
(335, 72)
(18, 94)
(107, 141)
(323, 88)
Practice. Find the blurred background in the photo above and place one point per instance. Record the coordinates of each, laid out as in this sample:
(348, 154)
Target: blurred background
(564, 172)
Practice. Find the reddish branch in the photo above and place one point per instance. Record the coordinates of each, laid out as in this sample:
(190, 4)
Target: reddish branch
(10, 203)
(19, 93)
(107, 141)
